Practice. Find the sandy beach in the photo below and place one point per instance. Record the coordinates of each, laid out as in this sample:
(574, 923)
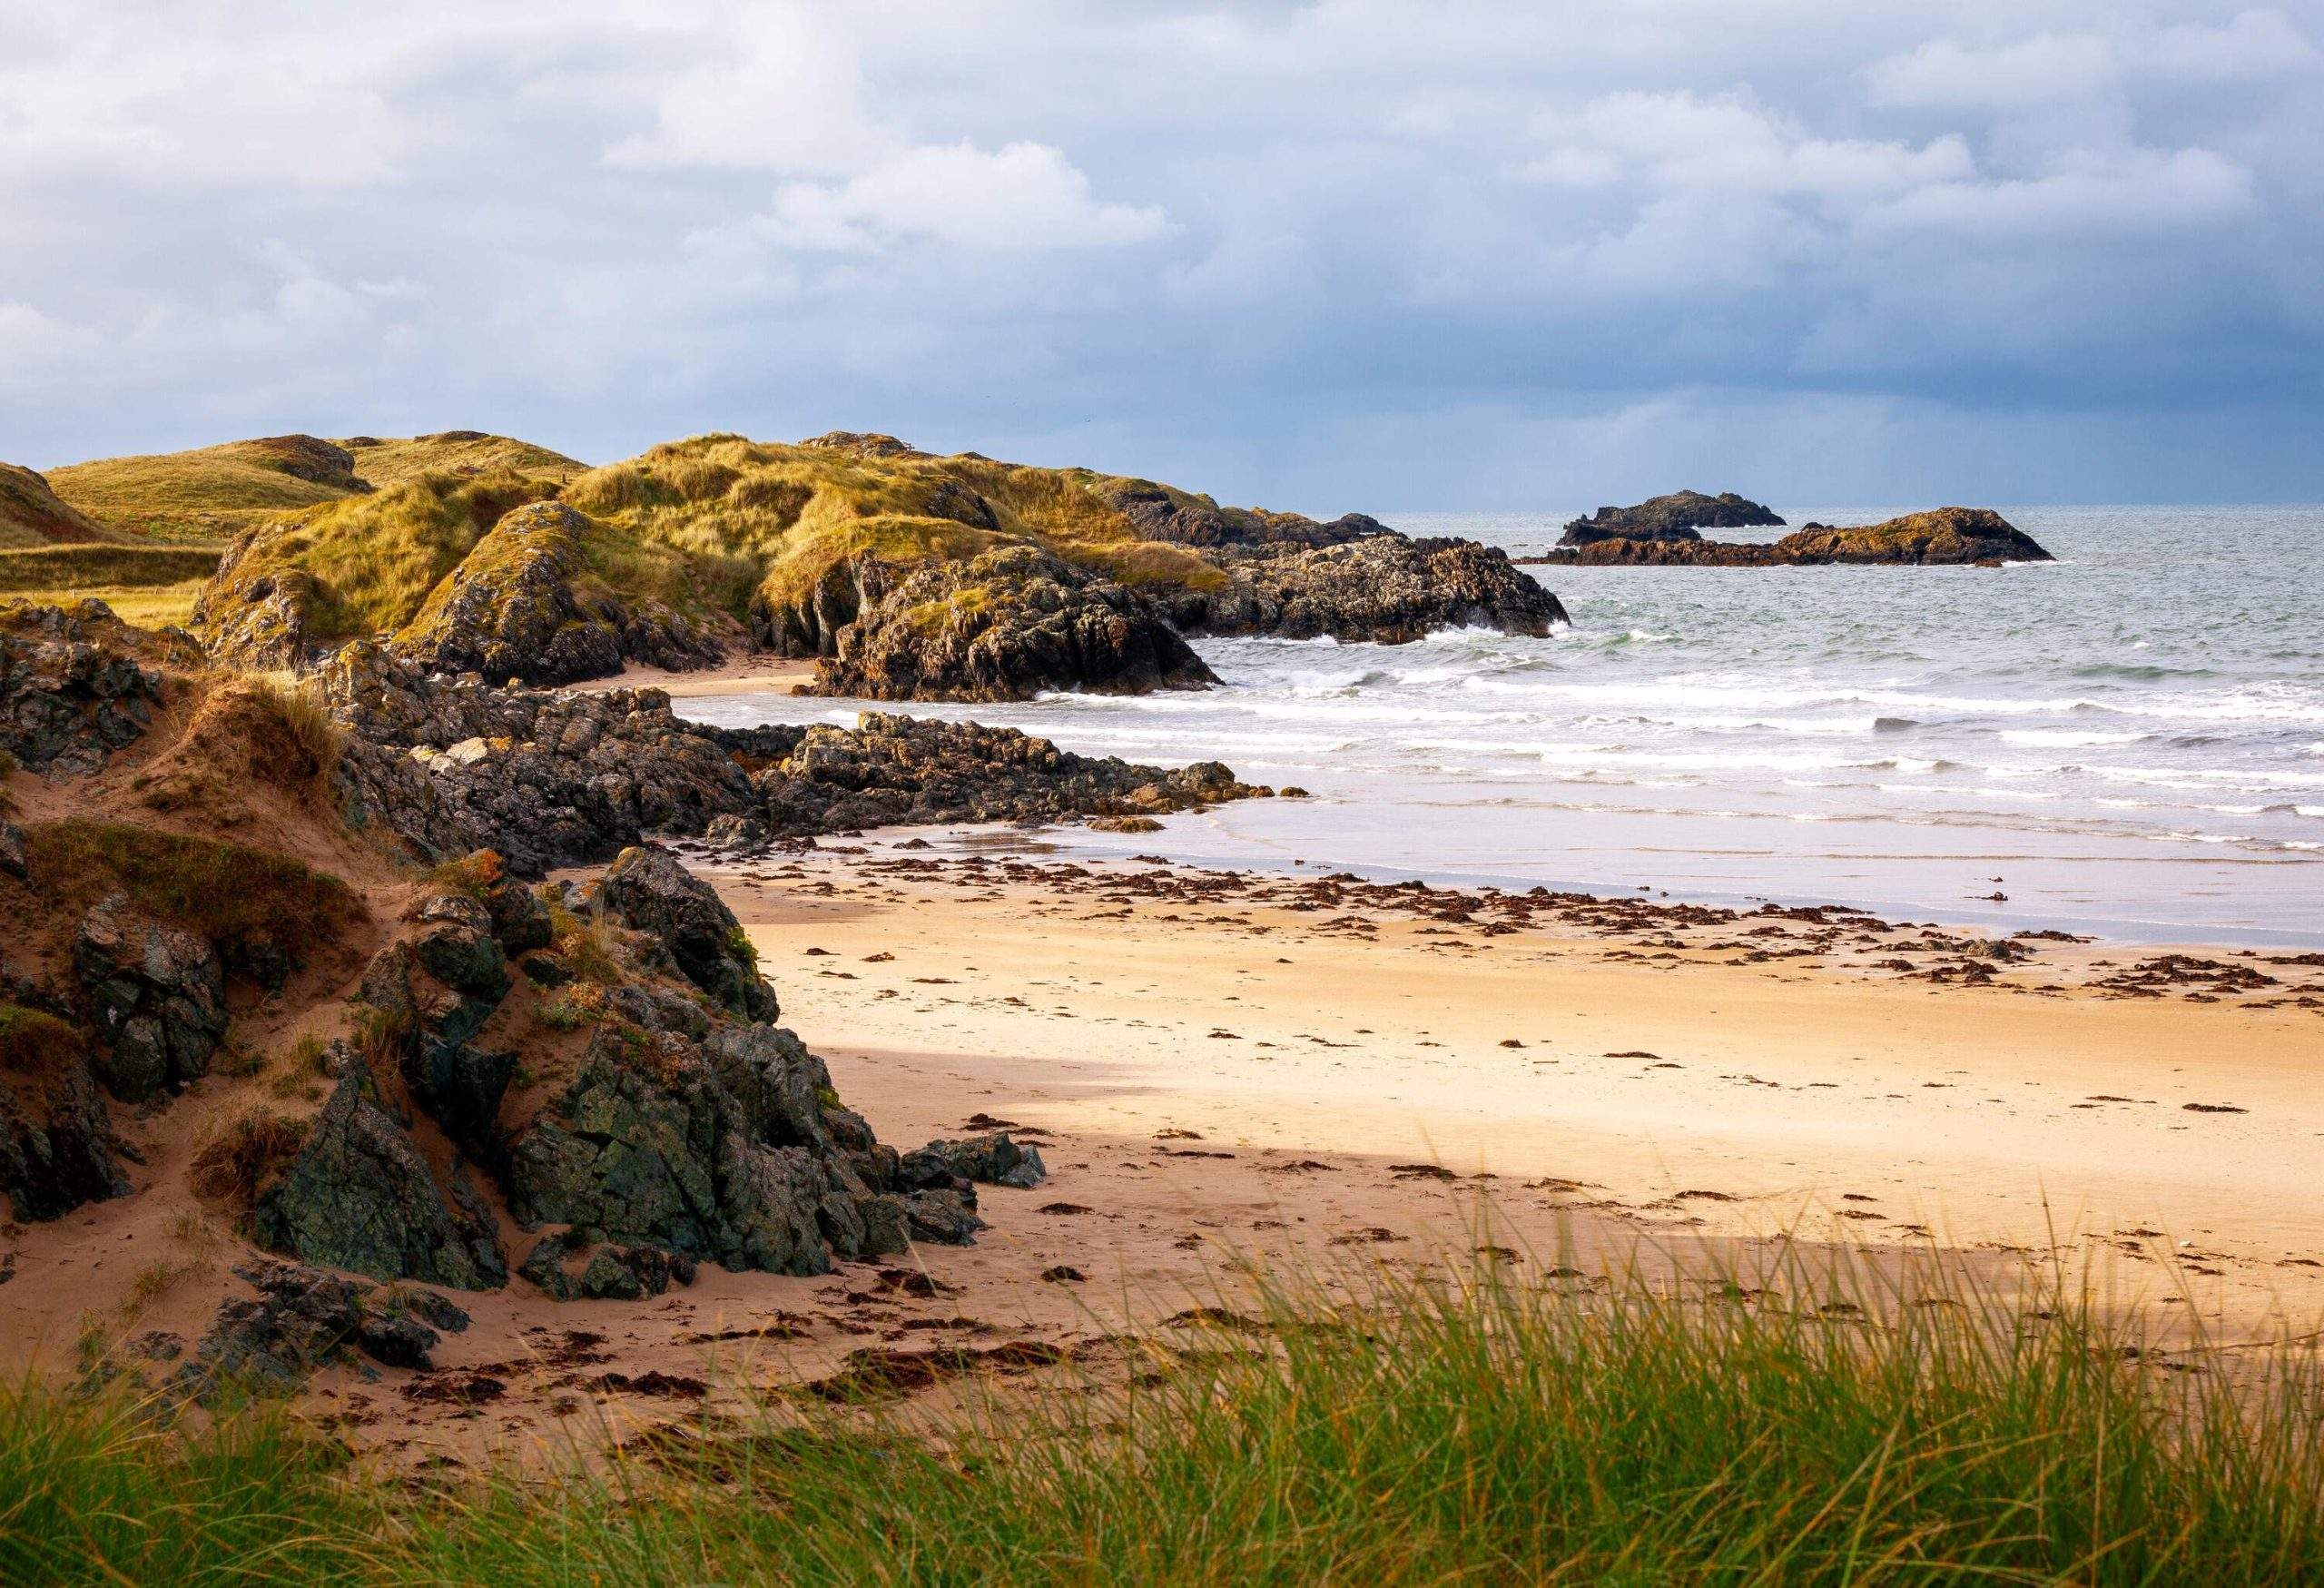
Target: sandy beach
(1702, 1091)
(743, 674)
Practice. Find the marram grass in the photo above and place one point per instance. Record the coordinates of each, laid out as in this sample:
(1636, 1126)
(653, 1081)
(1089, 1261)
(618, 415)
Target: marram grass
(1493, 1432)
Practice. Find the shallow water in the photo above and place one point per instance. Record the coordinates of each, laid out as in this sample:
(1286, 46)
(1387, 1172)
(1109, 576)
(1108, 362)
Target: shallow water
(2131, 740)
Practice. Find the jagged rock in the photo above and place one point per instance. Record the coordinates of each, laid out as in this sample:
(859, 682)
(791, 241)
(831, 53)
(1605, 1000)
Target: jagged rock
(945, 1217)
(608, 1273)
(157, 996)
(738, 835)
(1948, 535)
(303, 1319)
(548, 779)
(1675, 516)
(69, 695)
(1158, 512)
(993, 1159)
(16, 861)
(863, 444)
(1004, 625)
(892, 770)
(524, 604)
(458, 949)
(1386, 587)
(647, 891)
(519, 919)
(732, 1150)
(362, 1196)
(57, 1149)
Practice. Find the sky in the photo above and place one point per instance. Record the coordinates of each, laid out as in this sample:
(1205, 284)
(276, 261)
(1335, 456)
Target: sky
(1361, 255)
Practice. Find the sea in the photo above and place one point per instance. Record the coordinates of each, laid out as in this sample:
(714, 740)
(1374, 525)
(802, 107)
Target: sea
(2127, 742)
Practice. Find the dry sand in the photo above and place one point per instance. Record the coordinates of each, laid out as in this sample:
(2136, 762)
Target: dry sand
(1218, 1066)
(1688, 1095)
(743, 674)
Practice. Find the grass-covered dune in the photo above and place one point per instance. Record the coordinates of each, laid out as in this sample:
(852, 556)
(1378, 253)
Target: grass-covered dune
(144, 532)
(213, 493)
(33, 514)
(906, 574)
(719, 541)
(1471, 1432)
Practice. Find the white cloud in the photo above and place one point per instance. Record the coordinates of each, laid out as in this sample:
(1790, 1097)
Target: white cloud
(2034, 71)
(1021, 197)
(2144, 191)
(780, 88)
(2046, 68)
(1728, 142)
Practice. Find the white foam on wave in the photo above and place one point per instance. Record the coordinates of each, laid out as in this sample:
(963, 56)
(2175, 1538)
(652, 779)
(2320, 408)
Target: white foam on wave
(2068, 738)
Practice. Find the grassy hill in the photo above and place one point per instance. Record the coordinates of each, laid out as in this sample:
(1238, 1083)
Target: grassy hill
(719, 530)
(33, 514)
(144, 532)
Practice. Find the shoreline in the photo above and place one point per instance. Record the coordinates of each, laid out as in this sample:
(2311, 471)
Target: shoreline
(759, 677)
(1663, 1093)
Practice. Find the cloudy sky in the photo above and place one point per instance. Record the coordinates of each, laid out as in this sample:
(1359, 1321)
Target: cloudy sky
(1358, 253)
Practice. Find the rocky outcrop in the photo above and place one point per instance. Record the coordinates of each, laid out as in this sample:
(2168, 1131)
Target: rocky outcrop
(361, 1196)
(71, 693)
(57, 1148)
(1948, 535)
(523, 605)
(1676, 517)
(1386, 587)
(252, 614)
(302, 1319)
(994, 1160)
(572, 1266)
(1158, 512)
(890, 771)
(156, 996)
(732, 1148)
(1004, 625)
(548, 779)
(647, 892)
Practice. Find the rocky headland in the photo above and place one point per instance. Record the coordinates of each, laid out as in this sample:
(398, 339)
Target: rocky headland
(1977, 535)
(900, 574)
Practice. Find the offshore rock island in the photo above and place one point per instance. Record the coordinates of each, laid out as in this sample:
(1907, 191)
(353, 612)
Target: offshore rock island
(1665, 532)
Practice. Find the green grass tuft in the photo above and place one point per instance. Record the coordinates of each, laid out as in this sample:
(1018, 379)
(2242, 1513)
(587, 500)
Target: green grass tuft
(1491, 1432)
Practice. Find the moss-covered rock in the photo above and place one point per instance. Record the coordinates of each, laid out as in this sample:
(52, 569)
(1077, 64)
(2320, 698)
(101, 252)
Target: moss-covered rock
(529, 603)
(362, 1196)
(1004, 625)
